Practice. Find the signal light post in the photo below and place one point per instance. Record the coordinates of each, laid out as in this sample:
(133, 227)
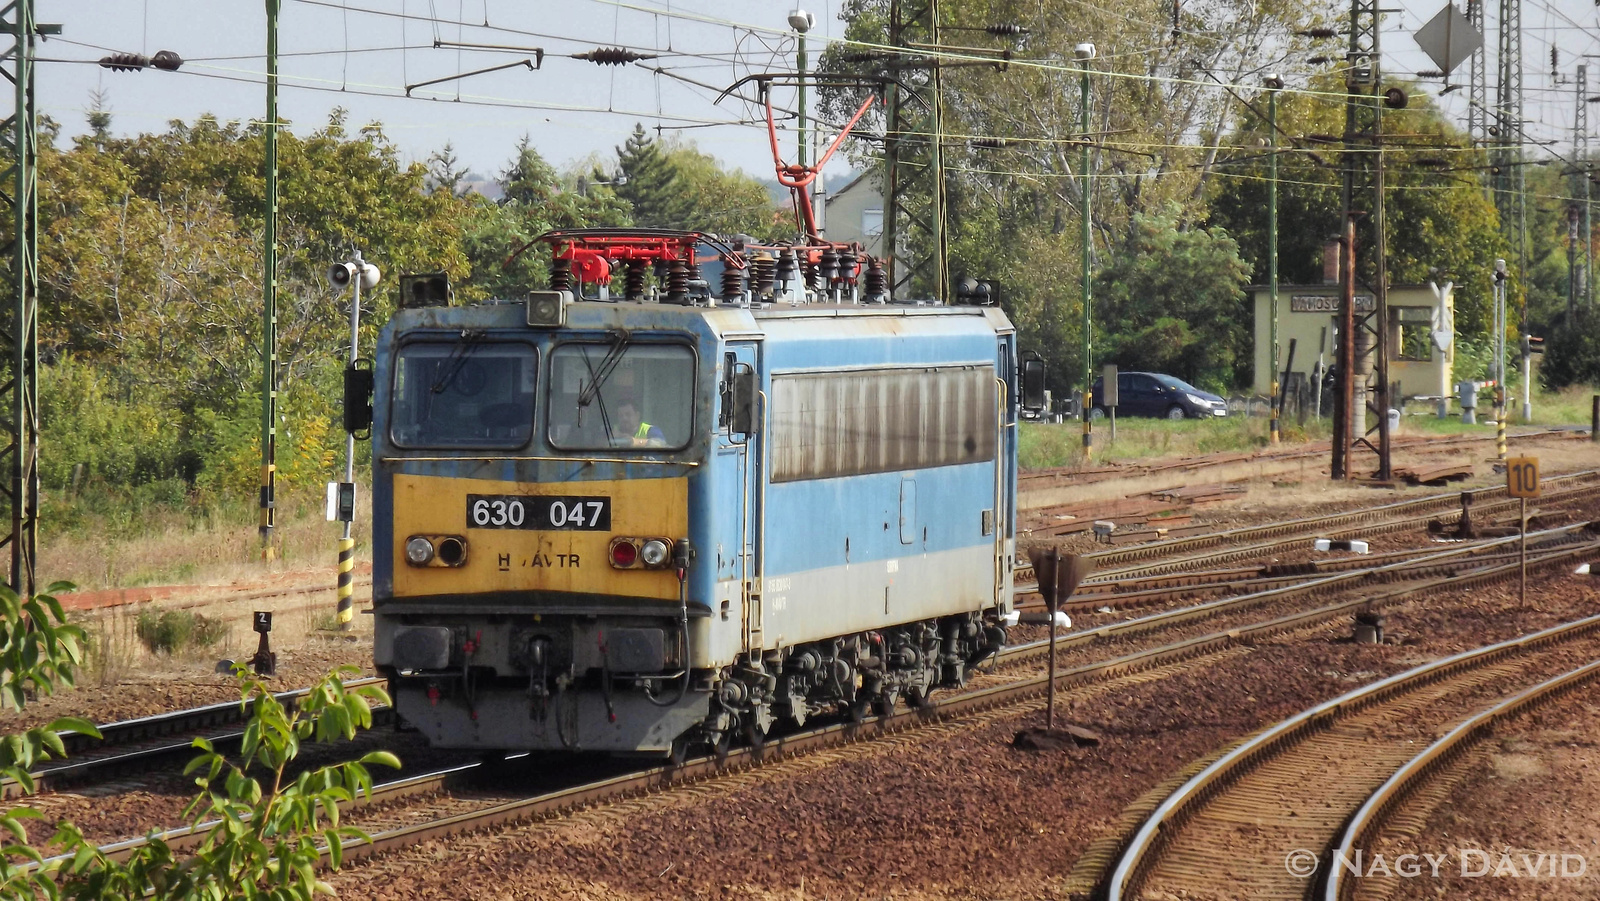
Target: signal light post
(354, 273)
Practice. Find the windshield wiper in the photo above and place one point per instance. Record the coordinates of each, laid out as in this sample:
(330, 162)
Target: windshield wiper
(608, 364)
(460, 352)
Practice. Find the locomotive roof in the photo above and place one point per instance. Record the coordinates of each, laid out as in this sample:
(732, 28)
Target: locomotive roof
(720, 320)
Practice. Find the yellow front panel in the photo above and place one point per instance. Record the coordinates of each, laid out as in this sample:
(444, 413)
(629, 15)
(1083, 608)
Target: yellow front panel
(527, 560)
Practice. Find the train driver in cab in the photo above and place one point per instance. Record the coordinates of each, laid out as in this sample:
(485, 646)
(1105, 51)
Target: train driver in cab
(633, 431)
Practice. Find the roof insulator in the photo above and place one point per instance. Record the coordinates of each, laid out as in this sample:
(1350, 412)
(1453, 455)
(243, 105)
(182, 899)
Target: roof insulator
(612, 56)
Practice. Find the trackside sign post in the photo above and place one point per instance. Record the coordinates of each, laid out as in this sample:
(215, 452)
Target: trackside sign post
(1522, 481)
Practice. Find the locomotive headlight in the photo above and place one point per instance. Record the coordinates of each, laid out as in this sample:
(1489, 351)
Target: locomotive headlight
(419, 551)
(654, 552)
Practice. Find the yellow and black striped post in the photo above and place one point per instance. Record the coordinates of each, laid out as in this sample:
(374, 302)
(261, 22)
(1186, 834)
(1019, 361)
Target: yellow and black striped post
(347, 579)
(264, 526)
(1500, 421)
(1088, 430)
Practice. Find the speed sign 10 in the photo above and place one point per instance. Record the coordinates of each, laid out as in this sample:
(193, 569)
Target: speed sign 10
(1522, 477)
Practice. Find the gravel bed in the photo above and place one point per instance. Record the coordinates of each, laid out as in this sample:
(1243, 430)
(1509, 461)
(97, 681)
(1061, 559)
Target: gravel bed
(1533, 789)
(951, 811)
(180, 685)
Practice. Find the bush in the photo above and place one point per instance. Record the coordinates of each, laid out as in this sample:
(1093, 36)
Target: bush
(1572, 355)
(97, 424)
(171, 631)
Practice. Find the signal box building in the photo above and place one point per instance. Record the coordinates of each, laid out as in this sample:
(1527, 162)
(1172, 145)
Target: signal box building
(1420, 322)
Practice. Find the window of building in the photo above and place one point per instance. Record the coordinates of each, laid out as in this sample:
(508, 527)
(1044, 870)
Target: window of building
(1411, 333)
(872, 222)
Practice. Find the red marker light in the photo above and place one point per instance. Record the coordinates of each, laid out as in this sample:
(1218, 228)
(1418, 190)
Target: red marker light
(623, 554)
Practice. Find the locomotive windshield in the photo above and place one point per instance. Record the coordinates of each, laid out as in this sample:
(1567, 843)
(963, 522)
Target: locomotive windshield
(464, 393)
(608, 395)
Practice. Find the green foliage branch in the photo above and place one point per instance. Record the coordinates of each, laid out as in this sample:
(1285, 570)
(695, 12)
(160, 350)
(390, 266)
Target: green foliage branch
(263, 828)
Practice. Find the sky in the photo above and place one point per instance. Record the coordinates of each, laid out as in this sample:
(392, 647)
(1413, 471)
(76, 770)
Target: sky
(361, 54)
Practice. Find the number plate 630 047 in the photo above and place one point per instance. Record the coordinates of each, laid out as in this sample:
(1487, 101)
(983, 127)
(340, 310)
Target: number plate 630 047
(538, 512)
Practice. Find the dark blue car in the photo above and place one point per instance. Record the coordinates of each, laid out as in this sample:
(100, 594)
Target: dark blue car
(1159, 395)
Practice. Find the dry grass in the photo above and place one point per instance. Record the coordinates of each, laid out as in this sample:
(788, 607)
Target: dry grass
(173, 546)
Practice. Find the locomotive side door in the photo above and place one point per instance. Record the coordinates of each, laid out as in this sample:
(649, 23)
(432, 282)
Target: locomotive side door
(739, 442)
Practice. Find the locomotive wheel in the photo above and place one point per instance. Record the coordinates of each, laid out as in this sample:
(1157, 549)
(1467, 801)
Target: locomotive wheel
(721, 745)
(921, 701)
(858, 710)
(679, 754)
(754, 737)
(884, 703)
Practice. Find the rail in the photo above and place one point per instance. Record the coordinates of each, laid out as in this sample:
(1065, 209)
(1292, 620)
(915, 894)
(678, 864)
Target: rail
(1133, 867)
(1369, 818)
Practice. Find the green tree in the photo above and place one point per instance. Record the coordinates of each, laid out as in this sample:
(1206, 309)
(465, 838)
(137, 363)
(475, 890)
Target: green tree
(535, 199)
(725, 202)
(444, 170)
(1172, 300)
(1440, 224)
(1572, 353)
(150, 250)
(268, 829)
(652, 184)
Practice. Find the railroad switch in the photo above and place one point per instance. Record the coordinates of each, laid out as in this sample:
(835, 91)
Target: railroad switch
(265, 662)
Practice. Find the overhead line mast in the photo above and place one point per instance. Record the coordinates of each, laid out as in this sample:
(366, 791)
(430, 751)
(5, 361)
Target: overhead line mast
(269, 294)
(914, 159)
(1364, 331)
(19, 337)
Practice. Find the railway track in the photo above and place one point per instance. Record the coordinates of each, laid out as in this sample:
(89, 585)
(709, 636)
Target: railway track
(132, 746)
(1253, 579)
(1264, 818)
(1247, 542)
(1391, 799)
(1064, 477)
(444, 815)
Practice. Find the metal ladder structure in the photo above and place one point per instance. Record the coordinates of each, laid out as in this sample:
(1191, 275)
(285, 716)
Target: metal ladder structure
(19, 333)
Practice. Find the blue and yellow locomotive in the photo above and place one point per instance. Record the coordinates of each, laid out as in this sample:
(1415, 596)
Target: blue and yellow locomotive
(629, 524)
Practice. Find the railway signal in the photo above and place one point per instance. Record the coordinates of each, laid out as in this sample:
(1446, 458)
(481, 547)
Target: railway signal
(265, 662)
(355, 274)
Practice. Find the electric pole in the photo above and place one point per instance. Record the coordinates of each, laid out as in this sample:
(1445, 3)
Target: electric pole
(1580, 194)
(1084, 53)
(1274, 85)
(269, 293)
(1364, 185)
(1510, 193)
(1477, 90)
(19, 341)
(914, 165)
